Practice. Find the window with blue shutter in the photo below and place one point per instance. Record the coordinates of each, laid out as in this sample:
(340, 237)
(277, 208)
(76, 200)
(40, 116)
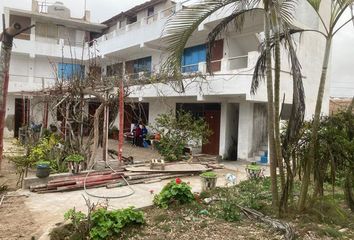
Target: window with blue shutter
(192, 56)
(142, 65)
(69, 71)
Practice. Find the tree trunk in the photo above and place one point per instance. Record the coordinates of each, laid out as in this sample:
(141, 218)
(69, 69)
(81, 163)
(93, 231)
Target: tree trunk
(5, 56)
(277, 68)
(94, 145)
(316, 122)
(348, 189)
(272, 154)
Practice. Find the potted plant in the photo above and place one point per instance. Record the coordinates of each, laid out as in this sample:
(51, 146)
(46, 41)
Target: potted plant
(74, 162)
(253, 170)
(43, 169)
(208, 180)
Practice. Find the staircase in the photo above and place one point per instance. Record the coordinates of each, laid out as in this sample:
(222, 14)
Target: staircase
(260, 155)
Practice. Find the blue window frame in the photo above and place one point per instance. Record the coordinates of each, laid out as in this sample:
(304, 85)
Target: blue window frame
(142, 65)
(68, 71)
(192, 56)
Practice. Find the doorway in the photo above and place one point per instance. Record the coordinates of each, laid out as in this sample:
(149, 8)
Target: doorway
(212, 118)
(22, 114)
(211, 113)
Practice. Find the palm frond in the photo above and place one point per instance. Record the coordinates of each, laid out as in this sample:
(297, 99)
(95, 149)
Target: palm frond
(237, 18)
(182, 25)
(260, 67)
(315, 4)
(287, 10)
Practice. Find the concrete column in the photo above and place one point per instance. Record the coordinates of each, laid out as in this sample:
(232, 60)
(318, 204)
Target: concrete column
(245, 129)
(223, 129)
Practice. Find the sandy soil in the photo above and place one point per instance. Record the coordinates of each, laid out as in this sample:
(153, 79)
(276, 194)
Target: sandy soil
(16, 221)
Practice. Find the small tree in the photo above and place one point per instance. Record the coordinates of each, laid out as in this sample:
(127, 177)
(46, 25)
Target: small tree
(177, 131)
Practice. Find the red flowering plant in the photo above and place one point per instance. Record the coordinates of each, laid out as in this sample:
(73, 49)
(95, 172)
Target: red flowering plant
(175, 191)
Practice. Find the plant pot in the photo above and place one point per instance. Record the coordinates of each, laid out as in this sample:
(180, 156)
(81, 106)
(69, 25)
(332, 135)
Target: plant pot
(43, 171)
(208, 183)
(253, 171)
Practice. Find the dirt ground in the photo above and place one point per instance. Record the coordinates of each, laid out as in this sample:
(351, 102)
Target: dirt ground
(16, 221)
(183, 225)
(25, 218)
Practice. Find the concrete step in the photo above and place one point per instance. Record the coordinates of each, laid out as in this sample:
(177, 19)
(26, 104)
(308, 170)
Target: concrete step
(262, 153)
(257, 158)
(263, 148)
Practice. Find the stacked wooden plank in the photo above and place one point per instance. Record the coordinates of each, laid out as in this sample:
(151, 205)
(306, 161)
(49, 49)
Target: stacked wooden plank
(76, 182)
(134, 174)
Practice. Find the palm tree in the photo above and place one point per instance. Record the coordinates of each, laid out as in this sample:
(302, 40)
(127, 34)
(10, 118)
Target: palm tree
(330, 28)
(180, 28)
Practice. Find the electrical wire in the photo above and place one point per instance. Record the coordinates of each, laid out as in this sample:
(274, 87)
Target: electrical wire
(107, 197)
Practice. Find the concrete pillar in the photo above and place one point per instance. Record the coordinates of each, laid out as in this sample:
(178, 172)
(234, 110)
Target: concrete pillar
(223, 129)
(245, 129)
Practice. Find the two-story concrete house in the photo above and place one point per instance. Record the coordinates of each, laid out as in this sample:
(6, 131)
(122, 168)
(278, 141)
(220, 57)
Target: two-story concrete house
(132, 43)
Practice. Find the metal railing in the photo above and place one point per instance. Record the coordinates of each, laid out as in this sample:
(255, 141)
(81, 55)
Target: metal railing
(43, 6)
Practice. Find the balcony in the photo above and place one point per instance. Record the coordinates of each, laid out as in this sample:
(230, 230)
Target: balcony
(149, 27)
(226, 65)
(50, 47)
(23, 82)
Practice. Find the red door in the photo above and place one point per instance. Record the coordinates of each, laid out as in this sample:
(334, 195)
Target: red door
(213, 120)
(217, 53)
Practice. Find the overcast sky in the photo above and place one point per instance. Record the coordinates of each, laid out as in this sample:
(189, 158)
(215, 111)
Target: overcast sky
(342, 75)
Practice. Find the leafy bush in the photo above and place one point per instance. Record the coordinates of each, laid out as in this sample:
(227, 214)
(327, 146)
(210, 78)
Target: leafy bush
(175, 191)
(176, 131)
(74, 158)
(75, 216)
(45, 151)
(109, 224)
(169, 149)
(100, 225)
(253, 194)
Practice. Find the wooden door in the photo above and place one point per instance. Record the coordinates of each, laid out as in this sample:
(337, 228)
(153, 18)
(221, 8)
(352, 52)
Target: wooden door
(212, 117)
(22, 112)
(217, 53)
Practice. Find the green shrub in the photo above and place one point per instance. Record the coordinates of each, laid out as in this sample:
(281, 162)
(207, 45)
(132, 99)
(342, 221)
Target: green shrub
(75, 216)
(74, 158)
(175, 191)
(176, 131)
(45, 151)
(109, 224)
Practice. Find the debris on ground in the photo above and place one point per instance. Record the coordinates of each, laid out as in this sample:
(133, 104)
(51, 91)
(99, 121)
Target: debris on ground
(121, 176)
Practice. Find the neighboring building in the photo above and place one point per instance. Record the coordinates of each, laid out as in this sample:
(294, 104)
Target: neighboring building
(40, 55)
(339, 104)
(132, 44)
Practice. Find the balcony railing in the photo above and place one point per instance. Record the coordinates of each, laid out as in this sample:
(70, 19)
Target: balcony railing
(43, 6)
(163, 14)
(238, 62)
(223, 65)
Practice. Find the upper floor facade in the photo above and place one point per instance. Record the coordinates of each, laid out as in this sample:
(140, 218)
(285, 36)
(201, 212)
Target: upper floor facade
(56, 34)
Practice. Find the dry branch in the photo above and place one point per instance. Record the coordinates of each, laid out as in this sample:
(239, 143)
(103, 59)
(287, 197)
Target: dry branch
(278, 225)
